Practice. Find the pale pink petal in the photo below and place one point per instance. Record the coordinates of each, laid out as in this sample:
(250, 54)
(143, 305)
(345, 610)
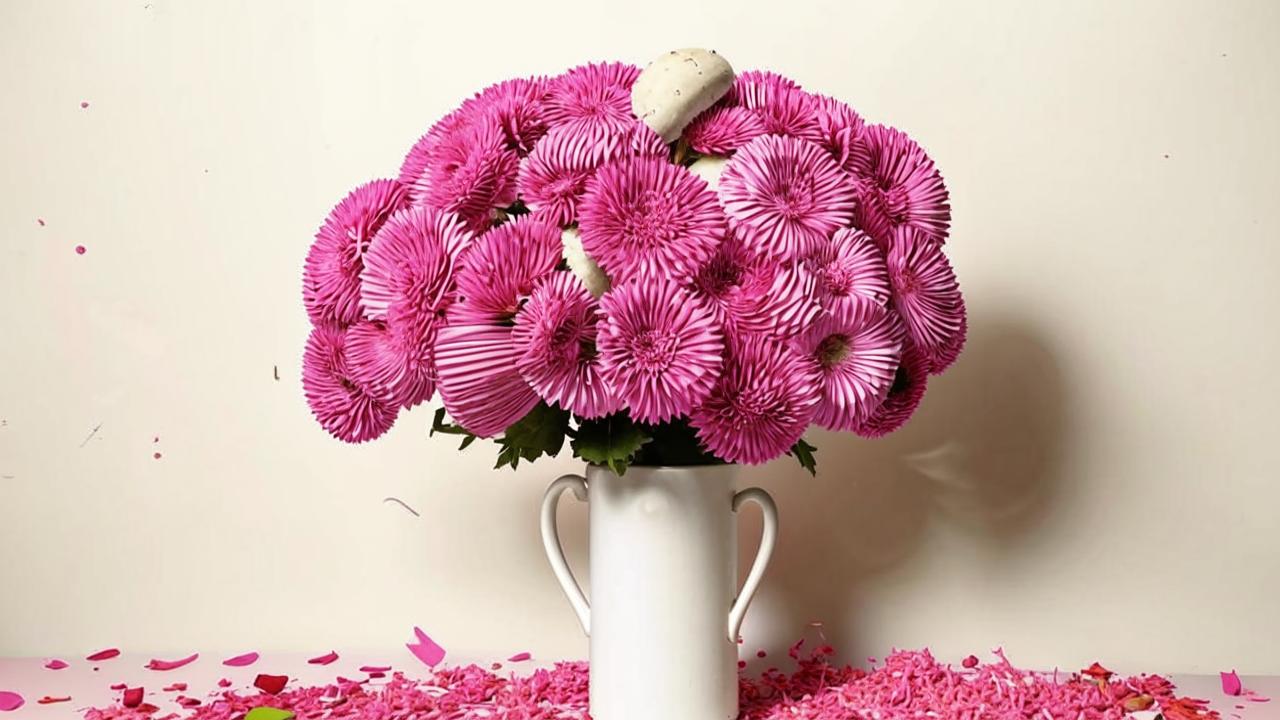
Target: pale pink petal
(103, 655)
(172, 664)
(426, 649)
(1231, 684)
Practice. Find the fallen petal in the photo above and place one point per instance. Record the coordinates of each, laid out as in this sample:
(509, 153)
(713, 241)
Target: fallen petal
(47, 700)
(519, 657)
(56, 664)
(324, 659)
(176, 687)
(426, 649)
(374, 668)
(224, 682)
(104, 655)
(970, 662)
(172, 664)
(132, 697)
(10, 701)
(1231, 683)
(187, 702)
(271, 684)
(119, 686)
(248, 658)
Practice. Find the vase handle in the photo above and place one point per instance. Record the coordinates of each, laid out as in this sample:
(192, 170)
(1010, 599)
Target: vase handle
(555, 553)
(770, 536)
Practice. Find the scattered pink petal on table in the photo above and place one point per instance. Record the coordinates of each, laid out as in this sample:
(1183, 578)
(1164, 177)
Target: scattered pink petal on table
(1252, 696)
(224, 682)
(49, 700)
(970, 662)
(56, 664)
(1231, 683)
(377, 675)
(186, 702)
(248, 658)
(118, 686)
(80, 249)
(175, 687)
(426, 649)
(10, 700)
(132, 697)
(324, 659)
(522, 656)
(374, 668)
(271, 684)
(172, 664)
(103, 655)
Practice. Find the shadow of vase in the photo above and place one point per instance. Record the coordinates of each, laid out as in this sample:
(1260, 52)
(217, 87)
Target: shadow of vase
(982, 453)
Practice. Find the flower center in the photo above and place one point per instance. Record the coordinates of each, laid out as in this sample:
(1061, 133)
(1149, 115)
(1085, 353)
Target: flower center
(794, 200)
(836, 279)
(653, 351)
(651, 221)
(833, 350)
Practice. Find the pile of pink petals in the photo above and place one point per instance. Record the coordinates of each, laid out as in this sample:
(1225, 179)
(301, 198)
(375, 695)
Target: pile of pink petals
(909, 684)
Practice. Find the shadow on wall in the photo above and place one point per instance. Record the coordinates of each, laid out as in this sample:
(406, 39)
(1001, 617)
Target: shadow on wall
(981, 453)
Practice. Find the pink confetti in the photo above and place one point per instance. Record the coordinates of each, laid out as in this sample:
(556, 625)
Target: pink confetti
(80, 249)
(103, 655)
(10, 701)
(271, 684)
(49, 700)
(324, 659)
(224, 682)
(374, 668)
(248, 658)
(56, 664)
(970, 662)
(132, 697)
(1231, 683)
(119, 686)
(426, 649)
(520, 657)
(187, 702)
(84, 104)
(176, 687)
(377, 675)
(172, 664)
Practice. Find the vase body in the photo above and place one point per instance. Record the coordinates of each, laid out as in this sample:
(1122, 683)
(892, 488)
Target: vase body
(664, 603)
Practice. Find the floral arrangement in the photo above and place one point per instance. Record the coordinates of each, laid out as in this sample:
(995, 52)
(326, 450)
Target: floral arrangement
(566, 258)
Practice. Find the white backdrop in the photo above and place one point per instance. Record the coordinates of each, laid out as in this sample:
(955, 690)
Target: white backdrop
(1094, 479)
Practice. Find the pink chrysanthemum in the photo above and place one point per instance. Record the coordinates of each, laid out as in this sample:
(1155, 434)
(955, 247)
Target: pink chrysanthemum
(415, 161)
(516, 107)
(748, 84)
(855, 349)
(640, 139)
(470, 172)
(660, 348)
(720, 278)
(410, 264)
(785, 196)
(760, 405)
(331, 278)
(555, 343)
(553, 176)
(909, 383)
(646, 216)
(500, 269)
(898, 185)
(839, 129)
(723, 129)
(344, 408)
(926, 294)
(851, 266)
(478, 380)
(393, 359)
(596, 93)
(774, 298)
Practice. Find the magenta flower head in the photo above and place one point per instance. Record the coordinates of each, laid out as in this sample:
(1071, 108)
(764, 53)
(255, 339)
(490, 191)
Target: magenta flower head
(660, 348)
(855, 349)
(478, 380)
(470, 172)
(517, 108)
(344, 408)
(761, 403)
(839, 129)
(723, 129)
(392, 360)
(775, 298)
(410, 264)
(898, 186)
(851, 266)
(555, 345)
(647, 217)
(784, 196)
(595, 94)
(499, 270)
(553, 177)
(331, 278)
(905, 392)
(927, 295)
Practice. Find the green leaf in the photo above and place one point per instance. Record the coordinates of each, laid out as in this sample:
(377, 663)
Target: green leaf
(438, 425)
(803, 453)
(674, 443)
(612, 441)
(540, 432)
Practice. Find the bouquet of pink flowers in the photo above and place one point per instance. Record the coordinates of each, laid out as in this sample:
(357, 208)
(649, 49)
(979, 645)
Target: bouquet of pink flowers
(560, 259)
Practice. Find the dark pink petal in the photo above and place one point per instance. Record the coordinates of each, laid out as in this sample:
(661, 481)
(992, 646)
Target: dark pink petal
(374, 668)
(248, 658)
(271, 684)
(324, 659)
(49, 700)
(970, 662)
(132, 697)
(119, 686)
(187, 702)
(172, 664)
(55, 664)
(1231, 683)
(224, 682)
(10, 701)
(426, 649)
(519, 657)
(103, 655)
(176, 687)
(80, 250)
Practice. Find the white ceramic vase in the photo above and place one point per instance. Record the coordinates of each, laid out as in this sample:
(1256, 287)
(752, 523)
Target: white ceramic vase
(665, 609)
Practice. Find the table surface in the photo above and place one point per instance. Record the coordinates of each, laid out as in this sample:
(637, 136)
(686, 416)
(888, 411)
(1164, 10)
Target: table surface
(90, 687)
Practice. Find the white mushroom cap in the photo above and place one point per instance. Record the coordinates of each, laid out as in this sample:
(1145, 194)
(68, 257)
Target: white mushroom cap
(581, 264)
(677, 87)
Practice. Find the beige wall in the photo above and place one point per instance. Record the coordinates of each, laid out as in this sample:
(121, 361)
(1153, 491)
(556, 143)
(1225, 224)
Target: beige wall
(1095, 479)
